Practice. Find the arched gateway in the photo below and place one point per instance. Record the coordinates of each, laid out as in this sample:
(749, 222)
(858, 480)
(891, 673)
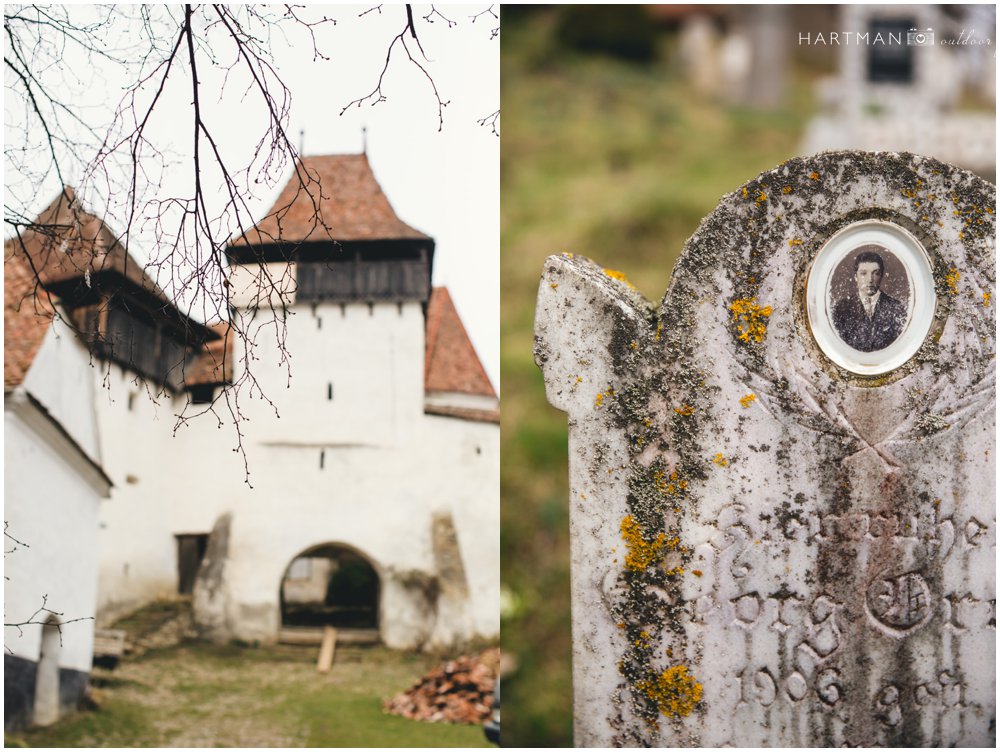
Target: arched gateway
(330, 584)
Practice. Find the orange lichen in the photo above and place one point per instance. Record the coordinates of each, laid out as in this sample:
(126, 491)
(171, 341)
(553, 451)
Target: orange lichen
(747, 399)
(794, 242)
(684, 410)
(750, 319)
(696, 572)
(641, 553)
(620, 276)
(675, 691)
(814, 176)
(674, 485)
(554, 285)
(719, 460)
(986, 299)
(786, 190)
(951, 278)
(599, 399)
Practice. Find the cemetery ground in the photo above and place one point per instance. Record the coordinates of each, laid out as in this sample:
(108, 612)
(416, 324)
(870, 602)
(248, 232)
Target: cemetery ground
(619, 163)
(195, 694)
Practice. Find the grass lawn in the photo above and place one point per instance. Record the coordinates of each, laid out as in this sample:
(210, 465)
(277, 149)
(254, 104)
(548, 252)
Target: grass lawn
(199, 695)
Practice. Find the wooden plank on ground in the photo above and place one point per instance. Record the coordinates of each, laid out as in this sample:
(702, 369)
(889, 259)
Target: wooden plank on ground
(327, 649)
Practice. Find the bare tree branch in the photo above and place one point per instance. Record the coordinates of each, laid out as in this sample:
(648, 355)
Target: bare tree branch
(43, 617)
(376, 95)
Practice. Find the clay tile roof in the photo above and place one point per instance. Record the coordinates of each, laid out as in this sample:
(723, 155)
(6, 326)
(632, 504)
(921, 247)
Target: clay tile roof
(66, 244)
(450, 361)
(350, 201)
(27, 314)
(214, 364)
(74, 243)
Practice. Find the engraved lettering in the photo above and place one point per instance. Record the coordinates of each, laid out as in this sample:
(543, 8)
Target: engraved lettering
(828, 686)
(764, 687)
(746, 609)
(887, 706)
(900, 603)
(974, 530)
(796, 686)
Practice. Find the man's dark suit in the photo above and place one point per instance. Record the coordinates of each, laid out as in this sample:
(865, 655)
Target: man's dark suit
(869, 334)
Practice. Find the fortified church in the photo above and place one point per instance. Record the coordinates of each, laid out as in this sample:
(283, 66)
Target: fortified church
(371, 435)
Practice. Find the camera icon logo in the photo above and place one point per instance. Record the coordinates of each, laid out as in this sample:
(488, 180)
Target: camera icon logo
(918, 38)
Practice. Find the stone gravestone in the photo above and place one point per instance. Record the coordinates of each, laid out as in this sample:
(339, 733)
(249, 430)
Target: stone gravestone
(783, 509)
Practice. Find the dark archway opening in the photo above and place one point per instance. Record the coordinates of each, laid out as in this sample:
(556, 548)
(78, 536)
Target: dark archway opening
(330, 585)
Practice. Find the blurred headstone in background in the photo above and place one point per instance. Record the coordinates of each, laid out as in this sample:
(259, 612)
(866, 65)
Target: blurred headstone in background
(699, 40)
(767, 29)
(782, 536)
(917, 78)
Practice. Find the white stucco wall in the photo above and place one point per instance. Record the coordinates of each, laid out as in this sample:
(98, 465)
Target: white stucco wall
(52, 494)
(387, 468)
(160, 488)
(60, 378)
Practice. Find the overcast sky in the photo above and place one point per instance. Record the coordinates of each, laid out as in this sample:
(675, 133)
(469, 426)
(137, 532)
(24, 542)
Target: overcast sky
(445, 183)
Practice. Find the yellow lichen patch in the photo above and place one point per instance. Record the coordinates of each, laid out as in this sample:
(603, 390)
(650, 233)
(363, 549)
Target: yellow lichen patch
(719, 460)
(951, 278)
(620, 276)
(684, 410)
(554, 285)
(786, 190)
(599, 399)
(675, 691)
(761, 198)
(641, 553)
(746, 193)
(986, 299)
(794, 242)
(750, 319)
(669, 486)
(659, 330)
(747, 399)
(633, 345)
(814, 176)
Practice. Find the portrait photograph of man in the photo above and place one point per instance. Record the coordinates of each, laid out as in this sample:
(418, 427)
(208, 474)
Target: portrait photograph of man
(870, 293)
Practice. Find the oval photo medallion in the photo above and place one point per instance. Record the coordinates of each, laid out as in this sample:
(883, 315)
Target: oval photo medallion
(870, 297)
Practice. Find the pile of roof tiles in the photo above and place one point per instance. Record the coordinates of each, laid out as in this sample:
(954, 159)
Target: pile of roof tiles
(459, 691)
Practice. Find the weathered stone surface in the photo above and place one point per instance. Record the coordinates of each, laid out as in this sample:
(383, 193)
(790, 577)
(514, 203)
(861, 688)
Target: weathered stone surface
(769, 549)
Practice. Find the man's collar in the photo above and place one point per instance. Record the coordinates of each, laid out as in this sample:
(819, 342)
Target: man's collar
(874, 299)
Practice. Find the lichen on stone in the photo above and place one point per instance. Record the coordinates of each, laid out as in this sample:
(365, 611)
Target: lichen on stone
(951, 279)
(675, 691)
(750, 319)
(619, 276)
(642, 554)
